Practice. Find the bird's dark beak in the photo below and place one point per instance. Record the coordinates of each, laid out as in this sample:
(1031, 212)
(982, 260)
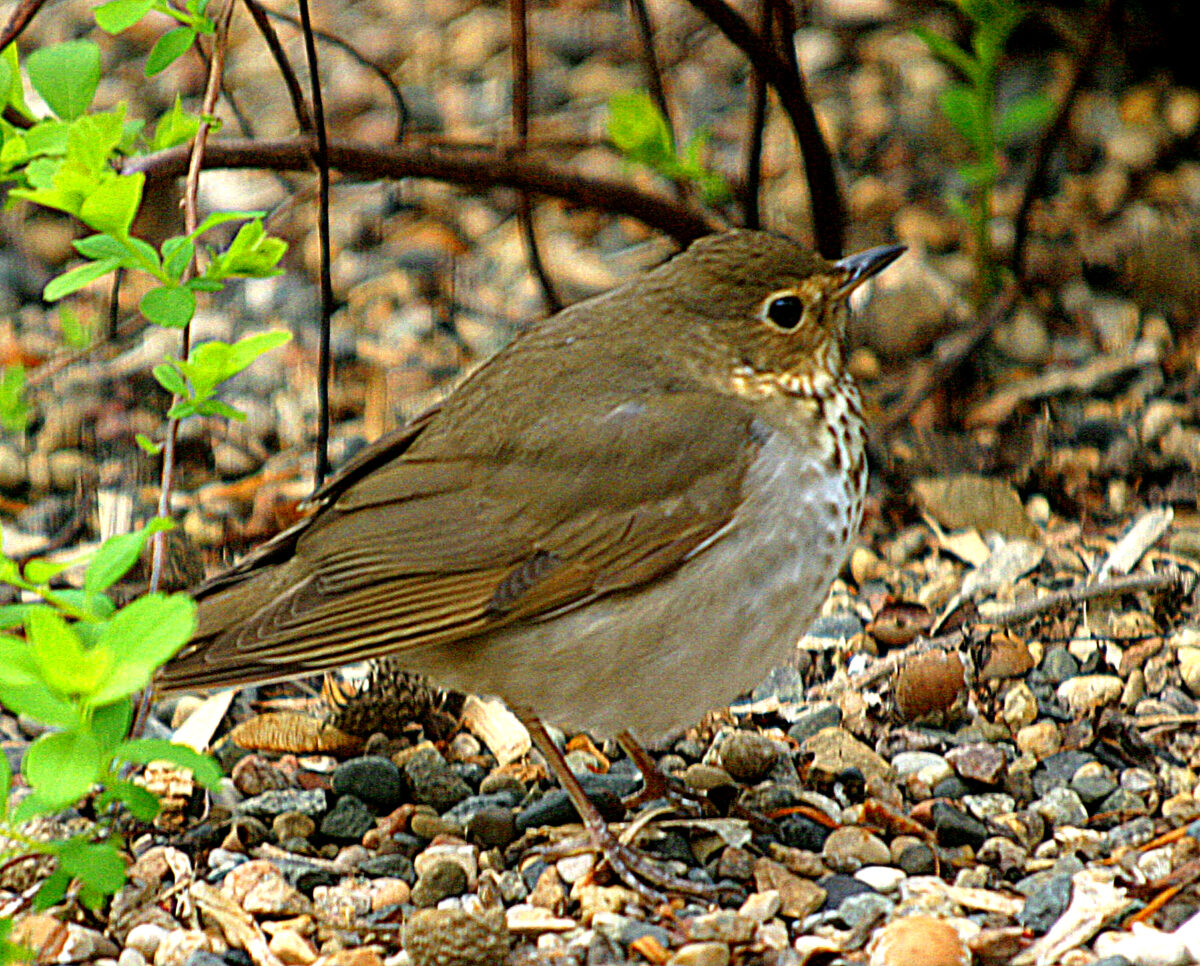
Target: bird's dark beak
(861, 266)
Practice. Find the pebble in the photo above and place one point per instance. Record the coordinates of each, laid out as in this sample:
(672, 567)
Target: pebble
(254, 775)
(722, 926)
(700, 954)
(439, 881)
(145, 938)
(748, 756)
(348, 821)
(1045, 904)
(881, 878)
(849, 848)
(835, 750)
(798, 897)
(371, 779)
(311, 802)
(1089, 692)
(981, 762)
(431, 780)
(812, 720)
(1061, 806)
(955, 827)
(454, 937)
(918, 941)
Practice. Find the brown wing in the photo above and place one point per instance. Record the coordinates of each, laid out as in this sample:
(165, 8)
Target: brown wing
(427, 541)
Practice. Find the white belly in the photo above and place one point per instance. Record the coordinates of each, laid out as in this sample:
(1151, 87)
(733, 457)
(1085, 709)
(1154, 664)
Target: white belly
(655, 659)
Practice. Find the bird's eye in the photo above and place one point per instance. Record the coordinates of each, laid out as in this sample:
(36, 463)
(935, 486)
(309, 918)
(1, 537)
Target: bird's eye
(785, 310)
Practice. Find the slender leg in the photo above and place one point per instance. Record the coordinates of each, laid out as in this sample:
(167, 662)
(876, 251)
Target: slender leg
(655, 784)
(633, 868)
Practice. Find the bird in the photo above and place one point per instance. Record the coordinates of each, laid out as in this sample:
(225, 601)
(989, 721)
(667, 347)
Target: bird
(621, 521)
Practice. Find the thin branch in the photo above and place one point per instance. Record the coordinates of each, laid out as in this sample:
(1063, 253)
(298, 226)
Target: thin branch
(474, 170)
(290, 80)
(1171, 579)
(654, 82)
(363, 60)
(828, 209)
(756, 131)
(519, 26)
(191, 219)
(321, 156)
(25, 11)
(1052, 137)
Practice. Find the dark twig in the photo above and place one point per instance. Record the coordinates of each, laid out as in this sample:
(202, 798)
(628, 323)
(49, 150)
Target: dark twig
(478, 171)
(756, 130)
(961, 347)
(519, 25)
(1051, 138)
(1171, 579)
(364, 61)
(299, 106)
(25, 11)
(324, 359)
(828, 211)
(654, 81)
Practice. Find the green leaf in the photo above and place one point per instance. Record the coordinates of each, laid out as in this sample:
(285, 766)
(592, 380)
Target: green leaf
(15, 95)
(111, 723)
(147, 445)
(64, 766)
(41, 572)
(118, 554)
(75, 334)
(170, 47)
(142, 637)
(171, 379)
(961, 107)
(950, 52)
(66, 665)
(142, 751)
(14, 410)
(66, 76)
(223, 217)
(638, 130)
(118, 15)
(177, 254)
(143, 805)
(1023, 115)
(5, 785)
(977, 175)
(214, 407)
(252, 254)
(170, 307)
(95, 864)
(18, 668)
(177, 126)
(53, 889)
(40, 704)
(247, 349)
(78, 277)
(6, 82)
(100, 246)
(112, 206)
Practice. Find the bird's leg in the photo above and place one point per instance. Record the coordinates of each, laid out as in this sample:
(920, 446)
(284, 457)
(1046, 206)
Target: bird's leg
(655, 783)
(634, 869)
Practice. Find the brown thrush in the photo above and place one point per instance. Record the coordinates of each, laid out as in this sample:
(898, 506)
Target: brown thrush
(621, 521)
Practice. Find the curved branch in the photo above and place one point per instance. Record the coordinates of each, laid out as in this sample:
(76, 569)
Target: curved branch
(472, 170)
(828, 210)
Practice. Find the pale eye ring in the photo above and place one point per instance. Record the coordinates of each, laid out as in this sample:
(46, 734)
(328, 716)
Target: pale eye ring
(785, 310)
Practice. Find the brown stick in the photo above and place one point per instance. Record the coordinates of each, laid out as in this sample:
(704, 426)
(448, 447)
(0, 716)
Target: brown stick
(828, 209)
(475, 170)
(519, 28)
